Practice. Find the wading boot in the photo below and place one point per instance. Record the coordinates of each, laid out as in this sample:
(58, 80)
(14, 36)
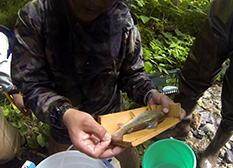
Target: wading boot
(210, 155)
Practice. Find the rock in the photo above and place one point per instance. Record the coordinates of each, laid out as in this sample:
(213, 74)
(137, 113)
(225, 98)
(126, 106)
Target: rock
(199, 109)
(218, 121)
(231, 138)
(207, 117)
(222, 152)
(228, 146)
(207, 95)
(209, 106)
(199, 134)
(196, 121)
(229, 156)
(209, 130)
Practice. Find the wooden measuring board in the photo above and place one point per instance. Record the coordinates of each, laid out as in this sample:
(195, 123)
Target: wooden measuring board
(110, 123)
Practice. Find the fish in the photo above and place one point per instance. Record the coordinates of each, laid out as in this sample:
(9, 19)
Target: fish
(147, 119)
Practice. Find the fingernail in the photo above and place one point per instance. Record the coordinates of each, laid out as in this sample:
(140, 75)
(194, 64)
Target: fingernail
(165, 110)
(107, 136)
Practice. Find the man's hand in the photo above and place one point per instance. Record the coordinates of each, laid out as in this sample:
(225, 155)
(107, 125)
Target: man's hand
(88, 136)
(18, 101)
(165, 101)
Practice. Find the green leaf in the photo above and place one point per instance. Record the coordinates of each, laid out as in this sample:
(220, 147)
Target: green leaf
(17, 111)
(141, 3)
(148, 66)
(6, 111)
(159, 58)
(47, 129)
(155, 19)
(23, 130)
(40, 140)
(167, 35)
(144, 19)
(32, 142)
(35, 129)
(147, 54)
(173, 45)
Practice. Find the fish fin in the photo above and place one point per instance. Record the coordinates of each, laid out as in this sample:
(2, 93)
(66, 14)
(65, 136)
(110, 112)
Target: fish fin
(120, 125)
(149, 106)
(133, 115)
(152, 125)
(117, 139)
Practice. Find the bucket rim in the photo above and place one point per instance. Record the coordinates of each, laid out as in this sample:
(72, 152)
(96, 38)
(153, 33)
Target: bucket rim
(173, 140)
(63, 153)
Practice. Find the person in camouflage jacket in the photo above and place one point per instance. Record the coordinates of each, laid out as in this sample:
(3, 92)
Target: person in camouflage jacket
(71, 61)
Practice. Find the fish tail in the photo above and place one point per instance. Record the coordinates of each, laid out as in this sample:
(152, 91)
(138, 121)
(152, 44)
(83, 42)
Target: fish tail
(117, 139)
(117, 136)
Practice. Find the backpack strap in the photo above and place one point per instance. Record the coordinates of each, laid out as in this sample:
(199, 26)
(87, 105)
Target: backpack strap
(10, 36)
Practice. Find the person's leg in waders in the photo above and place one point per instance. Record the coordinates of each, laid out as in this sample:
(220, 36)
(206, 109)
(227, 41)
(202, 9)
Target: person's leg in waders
(225, 130)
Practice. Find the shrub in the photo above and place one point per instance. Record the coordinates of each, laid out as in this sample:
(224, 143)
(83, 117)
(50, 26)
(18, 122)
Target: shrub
(8, 11)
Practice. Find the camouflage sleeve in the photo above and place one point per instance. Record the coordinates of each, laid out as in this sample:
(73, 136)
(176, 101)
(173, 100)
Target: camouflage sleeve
(30, 70)
(133, 79)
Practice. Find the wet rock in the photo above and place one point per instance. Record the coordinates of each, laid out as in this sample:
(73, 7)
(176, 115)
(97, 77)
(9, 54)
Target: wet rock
(231, 138)
(199, 109)
(207, 95)
(218, 121)
(209, 130)
(228, 146)
(209, 106)
(229, 156)
(207, 118)
(199, 134)
(222, 152)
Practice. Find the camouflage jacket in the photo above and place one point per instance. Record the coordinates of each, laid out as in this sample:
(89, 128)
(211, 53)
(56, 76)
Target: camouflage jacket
(49, 92)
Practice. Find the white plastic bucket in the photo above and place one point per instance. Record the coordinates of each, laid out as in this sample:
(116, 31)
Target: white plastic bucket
(71, 159)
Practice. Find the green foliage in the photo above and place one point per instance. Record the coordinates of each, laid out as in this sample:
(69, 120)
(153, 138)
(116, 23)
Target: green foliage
(167, 30)
(186, 15)
(166, 51)
(129, 103)
(8, 11)
(36, 133)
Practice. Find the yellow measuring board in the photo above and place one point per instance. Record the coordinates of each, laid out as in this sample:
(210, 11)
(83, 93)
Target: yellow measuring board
(110, 123)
